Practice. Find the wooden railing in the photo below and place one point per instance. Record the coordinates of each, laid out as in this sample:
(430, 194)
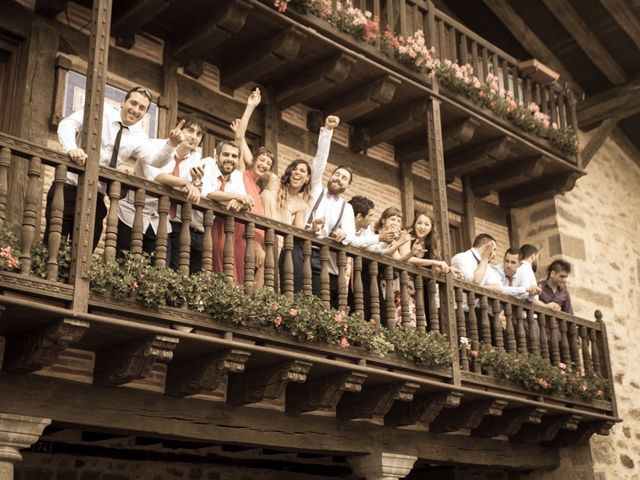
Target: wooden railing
(483, 316)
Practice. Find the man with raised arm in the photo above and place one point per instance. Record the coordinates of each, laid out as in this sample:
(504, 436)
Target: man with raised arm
(474, 262)
(121, 138)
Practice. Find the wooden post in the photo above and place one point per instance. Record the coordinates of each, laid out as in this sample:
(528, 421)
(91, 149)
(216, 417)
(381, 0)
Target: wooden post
(91, 139)
(469, 202)
(271, 128)
(406, 192)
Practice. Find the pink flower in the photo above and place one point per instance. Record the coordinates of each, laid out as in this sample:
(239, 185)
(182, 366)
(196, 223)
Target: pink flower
(274, 307)
(310, 336)
(474, 353)
(339, 316)
(543, 383)
(278, 321)
(293, 312)
(344, 343)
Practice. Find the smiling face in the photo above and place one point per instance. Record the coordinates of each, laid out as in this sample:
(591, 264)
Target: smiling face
(192, 136)
(422, 226)
(300, 175)
(134, 108)
(393, 223)
(262, 166)
(339, 181)
(228, 158)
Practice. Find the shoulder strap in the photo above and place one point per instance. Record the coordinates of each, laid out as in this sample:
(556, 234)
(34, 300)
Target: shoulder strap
(337, 224)
(315, 207)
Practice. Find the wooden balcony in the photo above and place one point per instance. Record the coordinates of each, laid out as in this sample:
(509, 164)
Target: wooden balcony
(41, 319)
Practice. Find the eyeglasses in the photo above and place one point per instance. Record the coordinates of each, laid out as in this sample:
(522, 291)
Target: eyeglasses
(141, 90)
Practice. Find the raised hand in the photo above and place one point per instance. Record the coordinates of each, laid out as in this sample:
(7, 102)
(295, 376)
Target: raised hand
(235, 125)
(331, 122)
(255, 98)
(78, 156)
(175, 136)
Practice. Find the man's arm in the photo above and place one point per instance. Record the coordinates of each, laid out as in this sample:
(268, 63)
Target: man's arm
(240, 129)
(465, 263)
(67, 132)
(566, 305)
(159, 157)
(319, 162)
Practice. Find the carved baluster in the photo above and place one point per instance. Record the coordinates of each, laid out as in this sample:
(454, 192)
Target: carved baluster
(389, 298)
(250, 259)
(207, 242)
(374, 293)
(521, 335)
(573, 345)
(342, 280)
(137, 232)
(5, 161)
(554, 335)
(586, 356)
(565, 352)
(307, 273)
(31, 198)
(358, 290)
(287, 273)
(227, 253)
(421, 319)
(595, 354)
(162, 236)
(185, 239)
(509, 331)
(111, 234)
(473, 330)
(55, 222)
(498, 336)
(484, 320)
(269, 259)
(462, 327)
(434, 319)
(544, 339)
(325, 285)
(405, 309)
(534, 340)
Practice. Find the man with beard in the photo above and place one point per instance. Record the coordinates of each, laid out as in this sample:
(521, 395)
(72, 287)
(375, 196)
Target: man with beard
(525, 274)
(330, 216)
(223, 183)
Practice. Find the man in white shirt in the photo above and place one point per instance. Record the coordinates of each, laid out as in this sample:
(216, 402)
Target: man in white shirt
(506, 275)
(474, 262)
(525, 274)
(121, 138)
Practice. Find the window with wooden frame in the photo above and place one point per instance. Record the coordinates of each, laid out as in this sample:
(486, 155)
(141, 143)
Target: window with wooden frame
(9, 62)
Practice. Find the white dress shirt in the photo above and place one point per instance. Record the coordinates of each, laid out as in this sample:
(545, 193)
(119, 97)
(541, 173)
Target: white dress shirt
(467, 262)
(509, 288)
(192, 160)
(211, 180)
(365, 238)
(133, 141)
(525, 277)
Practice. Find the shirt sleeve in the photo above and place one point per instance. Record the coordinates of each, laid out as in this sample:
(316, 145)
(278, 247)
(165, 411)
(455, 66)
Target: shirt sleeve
(209, 180)
(149, 152)
(566, 305)
(464, 264)
(68, 130)
(319, 162)
(348, 224)
(365, 241)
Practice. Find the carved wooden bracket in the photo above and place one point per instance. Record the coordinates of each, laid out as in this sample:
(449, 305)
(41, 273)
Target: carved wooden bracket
(467, 416)
(323, 393)
(132, 361)
(517, 173)
(42, 346)
(479, 156)
(375, 401)
(547, 429)
(50, 8)
(266, 382)
(318, 80)
(226, 21)
(204, 374)
(266, 58)
(582, 434)
(509, 423)
(542, 189)
(127, 21)
(364, 99)
(423, 409)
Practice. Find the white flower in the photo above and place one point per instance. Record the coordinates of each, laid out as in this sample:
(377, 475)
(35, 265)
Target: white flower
(464, 340)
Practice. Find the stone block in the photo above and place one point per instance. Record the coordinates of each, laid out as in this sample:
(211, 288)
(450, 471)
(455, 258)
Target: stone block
(548, 211)
(570, 217)
(573, 247)
(599, 298)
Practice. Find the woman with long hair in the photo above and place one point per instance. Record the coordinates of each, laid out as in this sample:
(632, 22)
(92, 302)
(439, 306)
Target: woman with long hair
(285, 199)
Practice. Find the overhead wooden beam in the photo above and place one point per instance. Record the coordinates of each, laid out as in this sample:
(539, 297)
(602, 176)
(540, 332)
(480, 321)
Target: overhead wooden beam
(454, 135)
(389, 126)
(128, 20)
(516, 173)
(622, 101)
(582, 434)
(50, 8)
(480, 156)
(597, 139)
(319, 79)
(530, 41)
(621, 11)
(468, 416)
(226, 21)
(509, 423)
(587, 40)
(262, 60)
(544, 188)
(365, 99)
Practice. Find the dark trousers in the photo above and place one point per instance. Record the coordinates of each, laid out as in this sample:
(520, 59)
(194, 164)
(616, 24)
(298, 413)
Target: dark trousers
(69, 213)
(124, 240)
(173, 249)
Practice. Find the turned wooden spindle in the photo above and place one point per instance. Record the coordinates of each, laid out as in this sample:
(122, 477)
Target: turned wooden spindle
(389, 298)
(554, 338)
(111, 232)
(498, 335)
(325, 285)
(54, 222)
(358, 290)
(434, 318)
(160, 259)
(473, 330)
(565, 349)
(484, 320)
(534, 339)
(586, 355)
(544, 338)
(421, 318)
(287, 267)
(137, 230)
(509, 330)
(521, 334)
(595, 353)
(5, 161)
(405, 308)
(207, 241)
(374, 293)
(29, 214)
(184, 251)
(250, 259)
(572, 333)
(462, 327)
(269, 259)
(227, 252)
(307, 273)
(343, 292)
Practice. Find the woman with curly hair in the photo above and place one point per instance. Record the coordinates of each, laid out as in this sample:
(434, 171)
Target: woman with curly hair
(285, 199)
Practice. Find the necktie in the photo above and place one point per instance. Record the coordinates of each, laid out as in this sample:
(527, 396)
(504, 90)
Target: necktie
(223, 182)
(510, 280)
(116, 146)
(173, 208)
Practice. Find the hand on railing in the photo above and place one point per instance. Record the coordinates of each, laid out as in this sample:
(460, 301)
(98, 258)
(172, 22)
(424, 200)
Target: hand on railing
(78, 156)
(193, 193)
(534, 290)
(338, 235)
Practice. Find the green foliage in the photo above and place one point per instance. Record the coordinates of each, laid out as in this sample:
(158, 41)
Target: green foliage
(9, 247)
(40, 257)
(430, 349)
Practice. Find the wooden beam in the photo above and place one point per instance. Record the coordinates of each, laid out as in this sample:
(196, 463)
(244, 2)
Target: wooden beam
(262, 60)
(544, 188)
(582, 434)
(509, 423)
(479, 156)
(529, 40)
(389, 126)
(50, 8)
(365, 99)
(516, 173)
(127, 21)
(374, 402)
(587, 40)
(422, 410)
(468, 416)
(627, 19)
(149, 414)
(226, 21)
(622, 101)
(322, 393)
(469, 216)
(406, 192)
(597, 139)
(547, 429)
(319, 79)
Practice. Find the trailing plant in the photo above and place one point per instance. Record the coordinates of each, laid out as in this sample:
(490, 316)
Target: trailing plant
(9, 248)
(431, 349)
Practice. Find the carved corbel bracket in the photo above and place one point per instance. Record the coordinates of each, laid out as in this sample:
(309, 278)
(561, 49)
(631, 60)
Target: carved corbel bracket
(509, 423)
(204, 374)
(323, 393)
(423, 409)
(582, 434)
(266, 382)
(375, 401)
(547, 429)
(42, 346)
(467, 416)
(134, 360)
